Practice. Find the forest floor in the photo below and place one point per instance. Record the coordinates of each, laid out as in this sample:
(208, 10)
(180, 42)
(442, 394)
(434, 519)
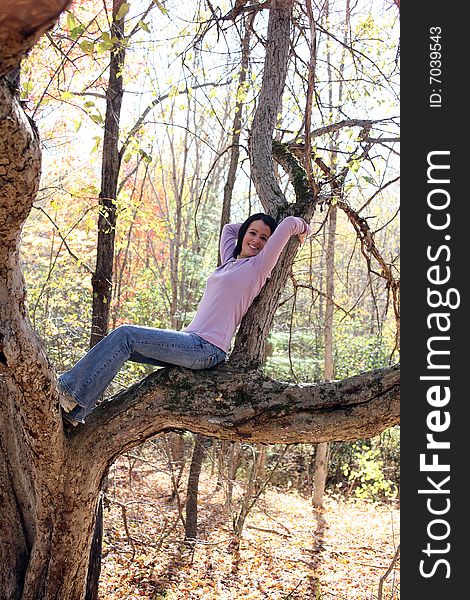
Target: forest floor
(286, 553)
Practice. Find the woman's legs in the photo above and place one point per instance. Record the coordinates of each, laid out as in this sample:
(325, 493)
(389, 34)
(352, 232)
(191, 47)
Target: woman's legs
(88, 379)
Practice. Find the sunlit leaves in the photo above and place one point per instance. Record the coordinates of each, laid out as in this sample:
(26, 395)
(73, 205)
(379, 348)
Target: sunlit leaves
(26, 88)
(367, 474)
(76, 28)
(96, 144)
(144, 26)
(87, 46)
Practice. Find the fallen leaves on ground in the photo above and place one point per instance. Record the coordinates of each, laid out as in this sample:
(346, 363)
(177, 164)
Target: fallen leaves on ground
(287, 551)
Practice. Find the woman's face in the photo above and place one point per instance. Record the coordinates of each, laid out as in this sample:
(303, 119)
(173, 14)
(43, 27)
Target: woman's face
(255, 239)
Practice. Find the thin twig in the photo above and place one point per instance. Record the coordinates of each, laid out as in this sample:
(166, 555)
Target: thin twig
(387, 572)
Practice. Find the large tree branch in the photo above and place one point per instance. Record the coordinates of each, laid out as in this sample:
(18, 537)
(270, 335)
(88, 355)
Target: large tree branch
(347, 123)
(241, 405)
(22, 23)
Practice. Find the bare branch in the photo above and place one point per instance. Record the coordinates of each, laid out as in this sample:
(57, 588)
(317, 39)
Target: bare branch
(140, 121)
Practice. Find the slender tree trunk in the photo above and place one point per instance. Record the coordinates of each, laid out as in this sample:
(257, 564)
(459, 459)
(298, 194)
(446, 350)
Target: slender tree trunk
(321, 461)
(102, 279)
(253, 489)
(250, 343)
(237, 125)
(190, 532)
(178, 182)
(233, 462)
(321, 456)
(94, 564)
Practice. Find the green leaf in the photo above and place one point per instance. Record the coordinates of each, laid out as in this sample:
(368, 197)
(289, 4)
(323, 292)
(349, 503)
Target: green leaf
(97, 140)
(97, 118)
(103, 47)
(87, 46)
(122, 12)
(144, 26)
(71, 21)
(77, 32)
(145, 156)
(161, 7)
(26, 88)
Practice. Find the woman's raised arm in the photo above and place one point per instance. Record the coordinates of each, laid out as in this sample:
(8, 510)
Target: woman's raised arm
(228, 241)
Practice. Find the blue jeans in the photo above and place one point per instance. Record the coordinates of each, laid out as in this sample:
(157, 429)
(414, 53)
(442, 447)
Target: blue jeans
(88, 379)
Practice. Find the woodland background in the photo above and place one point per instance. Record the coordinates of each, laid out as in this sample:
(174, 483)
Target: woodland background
(190, 75)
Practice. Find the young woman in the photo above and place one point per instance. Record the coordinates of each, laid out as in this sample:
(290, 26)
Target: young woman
(248, 253)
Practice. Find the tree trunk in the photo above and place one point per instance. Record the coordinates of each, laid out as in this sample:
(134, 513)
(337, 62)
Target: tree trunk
(320, 474)
(233, 462)
(253, 487)
(321, 456)
(103, 276)
(94, 562)
(48, 514)
(175, 451)
(250, 343)
(190, 532)
(237, 125)
(269, 104)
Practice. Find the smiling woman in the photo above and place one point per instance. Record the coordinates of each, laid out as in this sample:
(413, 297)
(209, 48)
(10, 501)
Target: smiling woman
(249, 252)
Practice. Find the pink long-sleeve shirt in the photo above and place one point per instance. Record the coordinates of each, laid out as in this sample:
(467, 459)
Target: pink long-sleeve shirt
(234, 285)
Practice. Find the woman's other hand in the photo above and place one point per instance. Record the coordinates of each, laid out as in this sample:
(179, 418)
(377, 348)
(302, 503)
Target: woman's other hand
(305, 234)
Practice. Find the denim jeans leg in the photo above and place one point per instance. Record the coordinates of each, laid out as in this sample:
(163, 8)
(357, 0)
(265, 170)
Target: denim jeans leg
(92, 374)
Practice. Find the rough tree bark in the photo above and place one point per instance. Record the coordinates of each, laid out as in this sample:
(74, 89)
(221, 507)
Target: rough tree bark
(250, 343)
(102, 279)
(50, 479)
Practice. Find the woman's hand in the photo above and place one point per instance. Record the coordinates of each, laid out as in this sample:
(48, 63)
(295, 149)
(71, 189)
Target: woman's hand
(304, 235)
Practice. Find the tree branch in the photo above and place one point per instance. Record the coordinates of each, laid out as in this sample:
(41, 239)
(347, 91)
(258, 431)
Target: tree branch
(349, 123)
(233, 404)
(22, 23)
